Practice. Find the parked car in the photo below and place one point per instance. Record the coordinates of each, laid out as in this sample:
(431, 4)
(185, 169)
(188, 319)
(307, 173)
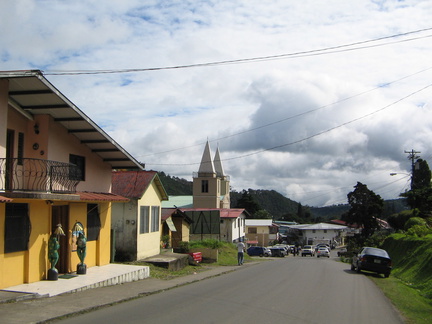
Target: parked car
(308, 250)
(341, 252)
(258, 251)
(284, 246)
(372, 259)
(323, 252)
(278, 251)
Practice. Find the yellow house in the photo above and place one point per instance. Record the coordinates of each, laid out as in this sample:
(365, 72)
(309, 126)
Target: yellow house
(55, 169)
(137, 223)
(260, 232)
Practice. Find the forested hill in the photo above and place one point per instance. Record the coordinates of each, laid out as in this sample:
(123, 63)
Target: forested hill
(277, 205)
(175, 186)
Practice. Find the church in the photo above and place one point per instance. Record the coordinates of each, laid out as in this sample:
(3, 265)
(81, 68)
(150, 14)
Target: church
(209, 207)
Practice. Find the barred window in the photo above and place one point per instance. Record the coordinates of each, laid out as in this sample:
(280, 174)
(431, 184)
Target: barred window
(17, 228)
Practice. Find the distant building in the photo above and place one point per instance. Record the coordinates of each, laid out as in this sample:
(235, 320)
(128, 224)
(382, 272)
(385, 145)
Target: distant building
(261, 232)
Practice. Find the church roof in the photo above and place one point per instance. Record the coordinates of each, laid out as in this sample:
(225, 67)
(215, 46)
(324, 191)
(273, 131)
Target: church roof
(207, 165)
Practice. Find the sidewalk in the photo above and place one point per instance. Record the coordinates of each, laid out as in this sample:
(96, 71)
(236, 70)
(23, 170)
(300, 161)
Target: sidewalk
(26, 307)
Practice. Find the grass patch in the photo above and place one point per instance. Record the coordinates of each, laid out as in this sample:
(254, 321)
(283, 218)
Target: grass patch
(227, 257)
(415, 308)
(165, 274)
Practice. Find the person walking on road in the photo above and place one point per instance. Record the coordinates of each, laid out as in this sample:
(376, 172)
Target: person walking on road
(240, 252)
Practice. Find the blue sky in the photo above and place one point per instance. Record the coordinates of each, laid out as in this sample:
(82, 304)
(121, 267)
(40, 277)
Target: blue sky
(309, 126)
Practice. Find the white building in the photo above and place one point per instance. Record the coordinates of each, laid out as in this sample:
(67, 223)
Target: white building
(311, 233)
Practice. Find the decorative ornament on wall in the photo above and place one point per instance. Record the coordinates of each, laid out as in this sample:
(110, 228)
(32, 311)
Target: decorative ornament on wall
(35, 146)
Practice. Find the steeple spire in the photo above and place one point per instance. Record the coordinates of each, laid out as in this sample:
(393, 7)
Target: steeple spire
(218, 164)
(206, 165)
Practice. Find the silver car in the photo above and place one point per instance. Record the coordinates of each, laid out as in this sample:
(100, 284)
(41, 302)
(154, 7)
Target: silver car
(323, 252)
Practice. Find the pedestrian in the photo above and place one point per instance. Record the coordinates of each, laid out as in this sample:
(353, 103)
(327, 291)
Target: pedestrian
(240, 252)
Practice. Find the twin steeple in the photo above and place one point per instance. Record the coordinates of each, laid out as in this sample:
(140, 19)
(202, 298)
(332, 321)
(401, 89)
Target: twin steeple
(211, 185)
(209, 166)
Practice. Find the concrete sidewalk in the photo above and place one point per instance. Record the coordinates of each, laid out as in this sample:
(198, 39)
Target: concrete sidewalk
(25, 308)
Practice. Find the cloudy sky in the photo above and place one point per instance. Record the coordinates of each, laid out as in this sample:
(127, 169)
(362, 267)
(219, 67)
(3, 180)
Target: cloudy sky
(302, 97)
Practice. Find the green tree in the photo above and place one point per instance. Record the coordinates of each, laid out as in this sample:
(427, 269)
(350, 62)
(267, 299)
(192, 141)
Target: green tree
(366, 207)
(421, 175)
(262, 214)
(420, 195)
(248, 202)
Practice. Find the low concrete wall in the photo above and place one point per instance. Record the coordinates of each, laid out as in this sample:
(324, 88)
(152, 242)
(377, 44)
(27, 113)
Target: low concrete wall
(208, 255)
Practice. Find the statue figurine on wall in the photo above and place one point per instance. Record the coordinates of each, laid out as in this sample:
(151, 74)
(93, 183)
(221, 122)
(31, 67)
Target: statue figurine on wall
(81, 251)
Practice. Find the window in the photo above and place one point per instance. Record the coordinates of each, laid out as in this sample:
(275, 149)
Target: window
(93, 222)
(252, 230)
(77, 173)
(17, 228)
(313, 231)
(204, 186)
(144, 219)
(325, 231)
(155, 219)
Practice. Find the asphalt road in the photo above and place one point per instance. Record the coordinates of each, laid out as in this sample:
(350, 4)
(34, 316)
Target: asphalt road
(285, 290)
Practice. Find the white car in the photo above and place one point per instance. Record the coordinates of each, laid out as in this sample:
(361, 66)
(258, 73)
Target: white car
(323, 252)
(308, 250)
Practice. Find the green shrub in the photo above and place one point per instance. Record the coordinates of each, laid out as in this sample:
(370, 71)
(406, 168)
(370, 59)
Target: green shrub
(207, 243)
(414, 221)
(412, 261)
(419, 230)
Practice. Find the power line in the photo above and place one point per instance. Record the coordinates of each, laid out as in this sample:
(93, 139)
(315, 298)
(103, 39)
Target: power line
(290, 117)
(313, 135)
(322, 51)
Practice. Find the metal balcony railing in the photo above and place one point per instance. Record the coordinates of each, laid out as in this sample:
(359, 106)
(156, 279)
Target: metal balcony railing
(19, 174)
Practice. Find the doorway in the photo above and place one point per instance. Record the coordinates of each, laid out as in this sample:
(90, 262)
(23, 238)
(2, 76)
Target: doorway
(60, 215)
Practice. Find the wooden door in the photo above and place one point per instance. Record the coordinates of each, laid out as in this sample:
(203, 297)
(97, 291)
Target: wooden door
(60, 215)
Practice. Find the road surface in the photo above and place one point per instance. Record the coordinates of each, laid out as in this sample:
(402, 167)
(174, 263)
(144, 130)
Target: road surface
(286, 290)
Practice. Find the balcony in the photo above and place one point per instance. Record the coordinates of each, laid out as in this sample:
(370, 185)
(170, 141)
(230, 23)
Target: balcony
(37, 175)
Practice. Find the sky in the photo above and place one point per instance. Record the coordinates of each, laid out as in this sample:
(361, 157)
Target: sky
(303, 97)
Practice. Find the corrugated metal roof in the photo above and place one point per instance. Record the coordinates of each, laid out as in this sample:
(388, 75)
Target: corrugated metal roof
(258, 222)
(32, 94)
(319, 226)
(133, 184)
(101, 196)
(178, 201)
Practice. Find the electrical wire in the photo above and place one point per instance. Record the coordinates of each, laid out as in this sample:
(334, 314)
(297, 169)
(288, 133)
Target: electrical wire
(322, 51)
(313, 135)
(290, 117)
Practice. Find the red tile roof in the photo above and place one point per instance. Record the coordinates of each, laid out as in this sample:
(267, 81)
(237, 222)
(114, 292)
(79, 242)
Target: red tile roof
(224, 212)
(4, 199)
(166, 213)
(133, 184)
(101, 196)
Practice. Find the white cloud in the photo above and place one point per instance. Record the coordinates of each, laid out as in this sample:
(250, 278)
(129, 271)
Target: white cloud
(309, 127)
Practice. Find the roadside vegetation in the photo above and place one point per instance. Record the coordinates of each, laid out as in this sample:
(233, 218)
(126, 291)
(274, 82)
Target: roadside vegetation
(227, 256)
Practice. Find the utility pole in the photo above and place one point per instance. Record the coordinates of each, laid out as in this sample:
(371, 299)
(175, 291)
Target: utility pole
(412, 156)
